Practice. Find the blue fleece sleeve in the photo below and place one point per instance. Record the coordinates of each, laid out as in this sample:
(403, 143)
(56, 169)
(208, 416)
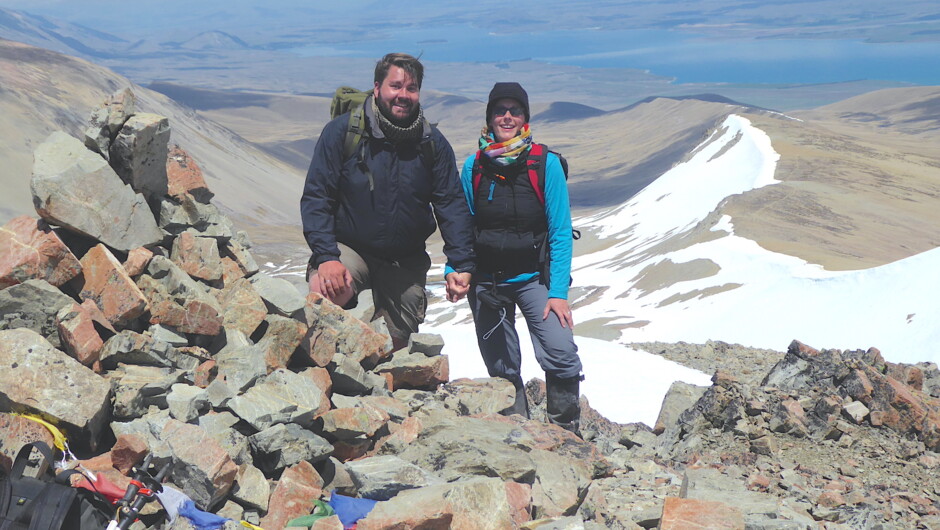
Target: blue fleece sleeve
(466, 182)
(558, 211)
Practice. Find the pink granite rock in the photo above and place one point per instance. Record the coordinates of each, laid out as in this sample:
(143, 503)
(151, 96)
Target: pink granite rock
(29, 249)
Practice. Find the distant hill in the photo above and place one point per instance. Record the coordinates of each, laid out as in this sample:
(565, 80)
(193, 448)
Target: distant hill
(563, 110)
(711, 98)
(211, 40)
(63, 37)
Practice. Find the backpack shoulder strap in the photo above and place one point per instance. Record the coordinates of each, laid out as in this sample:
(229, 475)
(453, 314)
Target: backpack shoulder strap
(427, 147)
(22, 460)
(535, 165)
(354, 132)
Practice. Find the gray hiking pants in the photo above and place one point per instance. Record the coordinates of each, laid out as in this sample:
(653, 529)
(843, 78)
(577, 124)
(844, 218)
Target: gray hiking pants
(398, 293)
(554, 345)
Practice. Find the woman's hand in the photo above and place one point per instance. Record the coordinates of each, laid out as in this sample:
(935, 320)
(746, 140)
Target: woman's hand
(458, 283)
(560, 307)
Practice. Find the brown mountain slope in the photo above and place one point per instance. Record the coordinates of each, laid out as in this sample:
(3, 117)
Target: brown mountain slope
(861, 181)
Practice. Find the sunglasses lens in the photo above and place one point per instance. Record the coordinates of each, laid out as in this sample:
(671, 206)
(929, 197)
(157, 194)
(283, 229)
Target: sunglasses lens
(515, 111)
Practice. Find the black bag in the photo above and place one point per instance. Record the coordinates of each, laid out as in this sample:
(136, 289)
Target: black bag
(493, 299)
(47, 502)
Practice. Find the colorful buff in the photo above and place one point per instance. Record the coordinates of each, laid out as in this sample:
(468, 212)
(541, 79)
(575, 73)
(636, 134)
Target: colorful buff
(505, 153)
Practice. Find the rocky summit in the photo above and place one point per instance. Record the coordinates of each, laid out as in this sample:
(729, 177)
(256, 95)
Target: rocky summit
(134, 319)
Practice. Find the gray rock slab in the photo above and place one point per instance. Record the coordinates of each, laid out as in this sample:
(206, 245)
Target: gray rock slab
(220, 426)
(350, 378)
(383, 477)
(138, 154)
(201, 467)
(136, 388)
(75, 188)
(149, 427)
(129, 347)
(186, 402)
(282, 397)
(33, 305)
(279, 294)
(286, 444)
(241, 367)
(680, 397)
(251, 488)
(479, 396)
(429, 344)
(463, 446)
(37, 378)
(710, 484)
(187, 214)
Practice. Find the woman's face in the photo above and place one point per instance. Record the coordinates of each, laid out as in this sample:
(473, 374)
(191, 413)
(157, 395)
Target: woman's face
(507, 119)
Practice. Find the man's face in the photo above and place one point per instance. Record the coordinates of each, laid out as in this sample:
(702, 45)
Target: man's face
(397, 96)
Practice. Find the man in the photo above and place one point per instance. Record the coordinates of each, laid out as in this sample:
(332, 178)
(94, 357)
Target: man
(366, 218)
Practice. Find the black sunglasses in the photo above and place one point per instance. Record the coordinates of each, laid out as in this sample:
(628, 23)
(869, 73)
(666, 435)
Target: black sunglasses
(515, 111)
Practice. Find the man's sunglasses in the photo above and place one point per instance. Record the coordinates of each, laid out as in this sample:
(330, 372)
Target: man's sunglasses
(515, 111)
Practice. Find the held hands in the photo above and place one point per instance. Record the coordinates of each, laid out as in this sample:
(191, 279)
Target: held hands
(560, 307)
(332, 280)
(458, 284)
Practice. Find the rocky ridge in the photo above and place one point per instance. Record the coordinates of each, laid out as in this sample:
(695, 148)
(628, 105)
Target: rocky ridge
(133, 316)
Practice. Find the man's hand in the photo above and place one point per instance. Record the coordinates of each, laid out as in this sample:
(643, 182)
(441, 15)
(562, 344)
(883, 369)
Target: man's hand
(458, 284)
(332, 280)
(559, 307)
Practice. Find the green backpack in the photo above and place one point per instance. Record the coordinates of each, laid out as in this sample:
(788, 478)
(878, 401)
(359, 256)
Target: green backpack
(348, 99)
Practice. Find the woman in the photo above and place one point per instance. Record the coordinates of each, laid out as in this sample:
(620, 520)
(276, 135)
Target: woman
(523, 248)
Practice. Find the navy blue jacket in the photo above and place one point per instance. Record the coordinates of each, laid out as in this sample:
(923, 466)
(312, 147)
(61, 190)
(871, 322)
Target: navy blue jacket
(394, 219)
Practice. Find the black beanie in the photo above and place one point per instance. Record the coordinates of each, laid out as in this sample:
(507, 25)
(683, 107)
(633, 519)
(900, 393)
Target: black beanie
(508, 90)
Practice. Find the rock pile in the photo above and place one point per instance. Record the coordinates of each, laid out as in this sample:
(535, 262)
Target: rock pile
(134, 317)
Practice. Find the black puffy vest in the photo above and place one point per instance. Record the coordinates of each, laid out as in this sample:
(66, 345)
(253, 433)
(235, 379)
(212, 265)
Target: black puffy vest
(510, 221)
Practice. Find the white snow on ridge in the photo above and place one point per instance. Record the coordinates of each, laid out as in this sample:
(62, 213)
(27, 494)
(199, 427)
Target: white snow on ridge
(780, 297)
(736, 158)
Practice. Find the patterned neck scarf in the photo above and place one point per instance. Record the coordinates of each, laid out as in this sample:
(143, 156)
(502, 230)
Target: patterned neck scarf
(505, 153)
(399, 134)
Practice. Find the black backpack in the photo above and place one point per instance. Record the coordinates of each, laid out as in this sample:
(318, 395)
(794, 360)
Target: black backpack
(47, 502)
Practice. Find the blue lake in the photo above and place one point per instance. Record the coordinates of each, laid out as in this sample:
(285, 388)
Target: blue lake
(688, 58)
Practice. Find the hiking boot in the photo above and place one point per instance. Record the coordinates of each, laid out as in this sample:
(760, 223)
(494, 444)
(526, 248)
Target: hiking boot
(562, 402)
(521, 404)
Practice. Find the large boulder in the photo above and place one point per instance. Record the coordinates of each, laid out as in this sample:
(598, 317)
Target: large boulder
(282, 397)
(139, 154)
(75, 188)
(478, 503)
(37, 378)
(178, 301)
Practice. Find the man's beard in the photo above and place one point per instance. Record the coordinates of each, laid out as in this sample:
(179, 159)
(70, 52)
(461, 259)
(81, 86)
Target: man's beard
(386, 109)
